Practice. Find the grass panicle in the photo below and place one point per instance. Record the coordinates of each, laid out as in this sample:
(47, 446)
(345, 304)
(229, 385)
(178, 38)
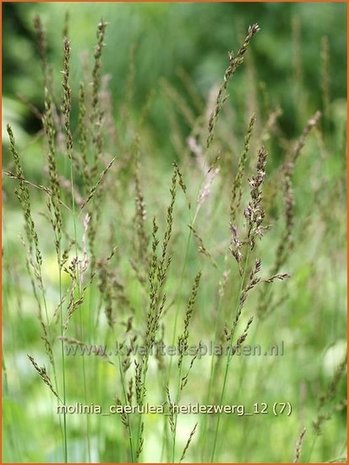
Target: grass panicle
(185, 450)
(94, 188)
(234, 62)
(183, 338)
(141, 213)
(236, 191)
(43, 375)
(254, 213)
(299, 444)
(325, 404)
(22, 193)
(67, 100)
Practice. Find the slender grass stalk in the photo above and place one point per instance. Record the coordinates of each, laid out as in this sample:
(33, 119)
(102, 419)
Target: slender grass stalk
(203, 435)
(63, 361)
(66, 110)
(229, 356)
(183, 346)
(129, 429)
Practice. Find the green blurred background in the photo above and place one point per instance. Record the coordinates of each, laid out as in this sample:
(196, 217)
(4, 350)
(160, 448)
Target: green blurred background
(165, 38)
(186, 46)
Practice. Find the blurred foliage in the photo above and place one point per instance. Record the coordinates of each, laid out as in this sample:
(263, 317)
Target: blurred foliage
(165, 38)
